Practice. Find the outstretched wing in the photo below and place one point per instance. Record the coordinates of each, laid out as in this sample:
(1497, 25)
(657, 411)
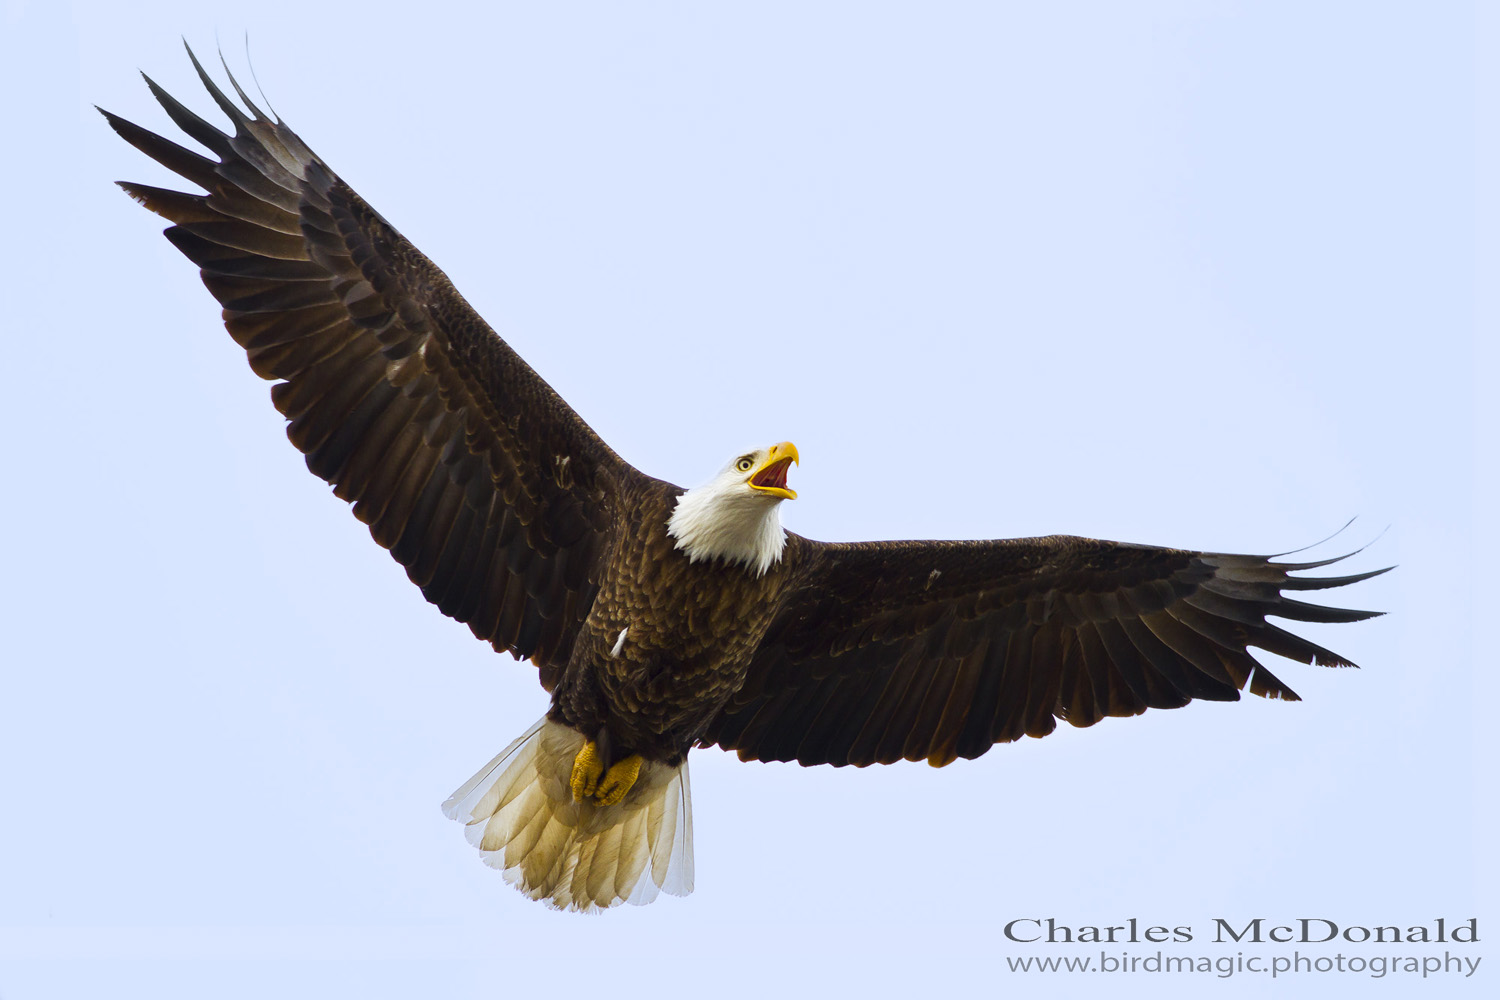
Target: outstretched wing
(935, 650)
(482, 482)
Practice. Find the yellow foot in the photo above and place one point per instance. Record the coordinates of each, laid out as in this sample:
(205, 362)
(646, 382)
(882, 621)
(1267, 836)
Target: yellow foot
(589, 780)
(619, 780)
(587, 767)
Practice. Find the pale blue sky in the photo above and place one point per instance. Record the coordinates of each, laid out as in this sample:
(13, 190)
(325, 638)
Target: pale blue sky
(1197, 274)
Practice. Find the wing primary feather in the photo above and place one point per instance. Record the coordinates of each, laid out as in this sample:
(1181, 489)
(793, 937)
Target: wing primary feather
(232, 110)
(1267, 685)
(179, 207)
(255, 112)
(1168, 664)
(1135, 668)
(1245, 608)
(182, 161)
(1226, 633)
(1303, 612)
(1294, 647)
(209, 136)
(1327, 582)
(1258, 569)
(1212, 682)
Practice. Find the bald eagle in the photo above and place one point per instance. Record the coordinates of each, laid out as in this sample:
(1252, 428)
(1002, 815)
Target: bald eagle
(663, 619)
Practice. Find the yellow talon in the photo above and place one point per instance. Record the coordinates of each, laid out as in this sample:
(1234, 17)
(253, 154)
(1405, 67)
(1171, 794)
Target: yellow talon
(586, 771)
(619, 780)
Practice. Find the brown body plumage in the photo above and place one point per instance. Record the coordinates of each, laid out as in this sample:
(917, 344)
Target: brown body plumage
(693, 629)
(515, 518)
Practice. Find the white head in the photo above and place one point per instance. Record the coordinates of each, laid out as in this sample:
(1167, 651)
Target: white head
(733, 516)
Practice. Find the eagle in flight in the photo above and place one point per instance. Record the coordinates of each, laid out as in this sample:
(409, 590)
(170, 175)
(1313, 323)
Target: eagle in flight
(662, 619)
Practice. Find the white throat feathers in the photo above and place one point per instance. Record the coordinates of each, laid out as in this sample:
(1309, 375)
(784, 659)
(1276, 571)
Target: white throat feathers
(724, 520)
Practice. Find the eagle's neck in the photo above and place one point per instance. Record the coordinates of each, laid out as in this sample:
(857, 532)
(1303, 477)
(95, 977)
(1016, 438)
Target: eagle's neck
(714, 523)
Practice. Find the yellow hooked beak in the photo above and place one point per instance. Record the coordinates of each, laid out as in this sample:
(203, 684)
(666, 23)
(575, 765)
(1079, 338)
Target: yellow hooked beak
(771, 477)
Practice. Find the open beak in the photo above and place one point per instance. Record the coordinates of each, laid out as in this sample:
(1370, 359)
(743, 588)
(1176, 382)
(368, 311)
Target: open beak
(771, 477)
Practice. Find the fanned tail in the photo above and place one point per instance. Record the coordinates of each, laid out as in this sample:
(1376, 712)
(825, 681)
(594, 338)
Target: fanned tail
(520, 813)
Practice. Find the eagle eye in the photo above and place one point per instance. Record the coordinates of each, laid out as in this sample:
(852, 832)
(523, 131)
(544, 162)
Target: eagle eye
(745, 464)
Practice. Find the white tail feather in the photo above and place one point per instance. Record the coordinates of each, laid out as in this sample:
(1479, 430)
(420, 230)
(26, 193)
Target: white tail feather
(519, 811)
